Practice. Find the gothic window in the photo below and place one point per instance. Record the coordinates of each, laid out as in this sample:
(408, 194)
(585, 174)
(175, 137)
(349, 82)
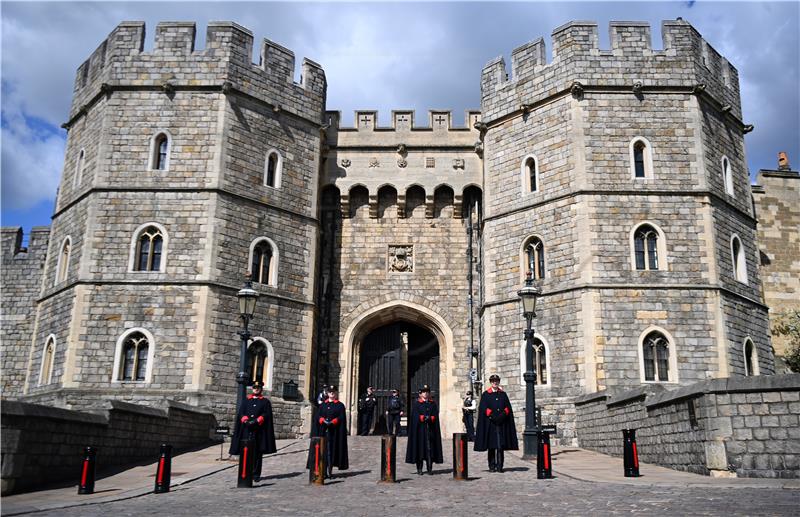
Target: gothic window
(530, 174)
(739, 262)
(135, 354)
(63, 261)
(641, 158)
(273, 166)
(750, 358)
(541, 361)
(727, 175)
(79, 168)
(149, 248)
(48, 356)
(656, 353)
(645, 242)
(533, 256)
(263, 261)
(259, 359)
(159, 151)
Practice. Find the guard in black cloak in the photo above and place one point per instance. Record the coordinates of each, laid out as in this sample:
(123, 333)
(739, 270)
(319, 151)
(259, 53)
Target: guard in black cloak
(424, 437)
(255, 421)
(332, 424)
(496, 431)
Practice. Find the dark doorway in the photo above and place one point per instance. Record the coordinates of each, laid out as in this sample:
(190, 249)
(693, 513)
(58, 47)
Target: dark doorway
(399, 355)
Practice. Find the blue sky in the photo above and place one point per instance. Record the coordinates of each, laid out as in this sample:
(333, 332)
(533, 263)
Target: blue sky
(376, 56)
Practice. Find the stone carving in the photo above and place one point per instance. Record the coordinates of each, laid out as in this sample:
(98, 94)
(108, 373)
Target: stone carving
(479, 148)
(576, 89)
(401, 258)
(402, 163)
(637, 88)
(346, 163)
(373, 162)
(458, 163)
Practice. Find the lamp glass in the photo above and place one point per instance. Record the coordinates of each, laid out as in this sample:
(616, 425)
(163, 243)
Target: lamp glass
(528, 295)
(247, 301)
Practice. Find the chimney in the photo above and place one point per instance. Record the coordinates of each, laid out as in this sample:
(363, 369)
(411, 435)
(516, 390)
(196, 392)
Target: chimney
(783, 162)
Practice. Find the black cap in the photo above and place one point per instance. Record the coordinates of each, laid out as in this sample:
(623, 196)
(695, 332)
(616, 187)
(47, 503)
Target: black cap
(425, 387)
(332, 388)
(394, 390)
(258, 384)
(469, 393)
(494, 377)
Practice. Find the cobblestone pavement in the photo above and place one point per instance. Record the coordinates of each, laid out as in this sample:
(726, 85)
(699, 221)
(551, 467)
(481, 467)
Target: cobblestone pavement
(285, 491)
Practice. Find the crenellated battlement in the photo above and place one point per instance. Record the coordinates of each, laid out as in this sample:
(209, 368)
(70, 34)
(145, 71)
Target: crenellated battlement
(685, 61)
(404, 120)
(175, 63)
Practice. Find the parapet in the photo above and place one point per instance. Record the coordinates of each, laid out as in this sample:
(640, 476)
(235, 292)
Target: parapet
(15, 245)
(175, 62)
(686, 60)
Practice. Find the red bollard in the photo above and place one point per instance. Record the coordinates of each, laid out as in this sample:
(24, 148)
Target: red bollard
(319, 450)
(88, 471)
(244, 479)
(164, 469)
(544, 463)
(460, 457)
(630, 456)
(388, 458)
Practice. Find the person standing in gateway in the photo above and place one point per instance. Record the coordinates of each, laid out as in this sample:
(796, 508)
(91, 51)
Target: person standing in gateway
(496, 431)
(366, 409)
(424, 437)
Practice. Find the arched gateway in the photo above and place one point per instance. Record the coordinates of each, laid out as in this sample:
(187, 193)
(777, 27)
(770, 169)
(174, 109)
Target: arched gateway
(400, 343)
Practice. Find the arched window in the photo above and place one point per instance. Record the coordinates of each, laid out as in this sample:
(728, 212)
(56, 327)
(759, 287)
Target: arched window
(645, 242)
(48, 357)
(657, 356)
(149, 249)
(159, 151)
(135, 355)
(541, 361)
(79, 168)
(641, 158)
(273, 166)
(738, 261)
(750, 358)
(263, 261)
(530, 174)
(63, 261)
(727, 175)
(533, 258)
(259, 362)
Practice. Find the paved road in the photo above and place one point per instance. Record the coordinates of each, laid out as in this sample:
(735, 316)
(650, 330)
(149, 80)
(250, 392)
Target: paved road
(356, 492)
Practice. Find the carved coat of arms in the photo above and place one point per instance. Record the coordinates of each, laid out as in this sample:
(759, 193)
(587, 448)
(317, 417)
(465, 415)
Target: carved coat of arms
(401, 259)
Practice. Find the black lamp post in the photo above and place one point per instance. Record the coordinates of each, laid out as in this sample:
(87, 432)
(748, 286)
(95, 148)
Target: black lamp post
(247, 307)
(528, 294)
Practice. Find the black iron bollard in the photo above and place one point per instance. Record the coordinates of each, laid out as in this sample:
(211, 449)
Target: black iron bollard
(630, 456)
(164, 469)
(544, 464)
(246, 459)
(88, 471)
(388, 458)
(460, 456)
(317, 472)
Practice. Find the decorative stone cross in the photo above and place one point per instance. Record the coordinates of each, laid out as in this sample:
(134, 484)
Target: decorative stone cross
(440, 119)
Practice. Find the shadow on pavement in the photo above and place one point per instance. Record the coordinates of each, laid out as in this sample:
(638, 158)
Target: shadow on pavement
(281, 476)
(351, 473)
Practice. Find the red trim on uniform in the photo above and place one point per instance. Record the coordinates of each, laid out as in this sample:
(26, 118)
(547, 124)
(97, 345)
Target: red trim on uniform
(488, 411)
(260, 420)
(433, 418)
(506, 410)
(335, 421)
(422, 418)
(244, 419)
(321, 420)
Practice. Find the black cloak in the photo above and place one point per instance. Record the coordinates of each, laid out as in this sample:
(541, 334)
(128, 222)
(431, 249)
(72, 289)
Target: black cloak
(258, 409)
(336, 432)
(496, 428)
(424, 437)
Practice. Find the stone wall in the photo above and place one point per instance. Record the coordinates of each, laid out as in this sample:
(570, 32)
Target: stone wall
(21, 278)
(43, 444)
(742, 425)
(776, 198)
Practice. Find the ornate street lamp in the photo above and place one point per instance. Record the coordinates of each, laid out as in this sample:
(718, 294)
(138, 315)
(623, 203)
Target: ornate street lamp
(247, 307)
(528, 295)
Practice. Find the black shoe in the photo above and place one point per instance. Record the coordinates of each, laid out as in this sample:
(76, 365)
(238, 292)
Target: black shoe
(499, 469)
(419, 471)
(256, 478)
(492, 469)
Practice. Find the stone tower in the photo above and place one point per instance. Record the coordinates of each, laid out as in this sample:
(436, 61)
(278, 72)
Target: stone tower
(181, 164)
(583, 119)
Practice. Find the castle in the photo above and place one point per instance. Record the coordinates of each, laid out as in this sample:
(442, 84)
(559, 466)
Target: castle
(390, 253)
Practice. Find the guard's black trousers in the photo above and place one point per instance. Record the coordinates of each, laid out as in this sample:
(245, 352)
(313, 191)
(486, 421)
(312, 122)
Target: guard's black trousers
(393, 423)
(364, 422)
(469, 423)
(495, 459)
